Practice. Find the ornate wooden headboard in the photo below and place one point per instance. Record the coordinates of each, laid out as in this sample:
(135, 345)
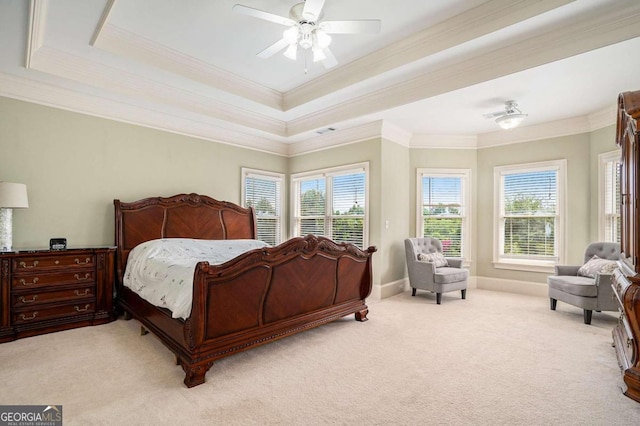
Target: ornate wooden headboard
(180, 216)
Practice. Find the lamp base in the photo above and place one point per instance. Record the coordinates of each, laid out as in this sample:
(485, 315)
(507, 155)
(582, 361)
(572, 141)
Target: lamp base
(6, 235)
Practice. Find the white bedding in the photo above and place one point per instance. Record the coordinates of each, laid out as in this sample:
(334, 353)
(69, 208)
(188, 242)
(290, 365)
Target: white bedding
(161, 271)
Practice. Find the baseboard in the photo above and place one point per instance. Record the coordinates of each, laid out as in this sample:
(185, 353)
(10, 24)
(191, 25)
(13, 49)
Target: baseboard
(512, 286)
(383, 291)
(484, 283)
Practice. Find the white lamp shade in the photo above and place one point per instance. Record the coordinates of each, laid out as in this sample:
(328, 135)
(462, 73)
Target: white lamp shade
(510, 121)
(13, 195)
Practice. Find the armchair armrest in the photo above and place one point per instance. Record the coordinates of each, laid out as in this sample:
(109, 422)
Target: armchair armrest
(454, 262)
(567, 270)
(606, 298)
(424, 267)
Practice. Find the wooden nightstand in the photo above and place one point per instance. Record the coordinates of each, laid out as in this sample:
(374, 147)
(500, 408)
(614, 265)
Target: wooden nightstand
(43, 291)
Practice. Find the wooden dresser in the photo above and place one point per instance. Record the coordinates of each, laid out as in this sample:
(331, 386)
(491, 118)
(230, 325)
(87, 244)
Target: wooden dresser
(626, 283)
(43, 291)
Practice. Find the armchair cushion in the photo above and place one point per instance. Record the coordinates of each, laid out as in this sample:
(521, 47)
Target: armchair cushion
(436, 258)
(597, 265)
(450, 275)
(576, 285)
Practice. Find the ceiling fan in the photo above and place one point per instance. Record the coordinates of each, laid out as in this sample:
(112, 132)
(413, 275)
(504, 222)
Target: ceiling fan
(308, 31)
(511, 117)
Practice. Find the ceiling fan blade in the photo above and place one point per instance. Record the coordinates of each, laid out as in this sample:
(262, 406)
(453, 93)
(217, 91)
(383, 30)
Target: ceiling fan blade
(494, 114)
(367, 26)
(273, 49)
(312, 9)
(330, 61)
(261, 14)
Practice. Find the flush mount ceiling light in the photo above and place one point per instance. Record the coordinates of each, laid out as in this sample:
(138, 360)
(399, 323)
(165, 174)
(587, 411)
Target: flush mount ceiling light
(307, 32)
(509, 118)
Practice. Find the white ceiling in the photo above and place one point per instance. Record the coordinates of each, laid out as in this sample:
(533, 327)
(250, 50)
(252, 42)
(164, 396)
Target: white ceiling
(190, 67)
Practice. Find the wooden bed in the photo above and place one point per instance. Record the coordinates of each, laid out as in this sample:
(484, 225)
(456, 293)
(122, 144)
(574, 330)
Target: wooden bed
(255, 298)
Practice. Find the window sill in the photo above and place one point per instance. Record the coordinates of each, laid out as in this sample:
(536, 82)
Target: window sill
(530, 266)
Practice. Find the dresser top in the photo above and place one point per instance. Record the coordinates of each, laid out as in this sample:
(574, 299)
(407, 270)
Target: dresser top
(42, 250)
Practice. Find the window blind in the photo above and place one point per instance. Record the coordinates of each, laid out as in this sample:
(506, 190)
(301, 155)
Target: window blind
(443, 212)
(530, 203)
(263, 193)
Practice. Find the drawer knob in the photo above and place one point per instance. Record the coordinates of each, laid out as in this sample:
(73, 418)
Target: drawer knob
(33, 299)
(33, 281)
(79, 309)
(26, 318)
(86, 261)
(79, 278)
(24, 265)
(86, 291)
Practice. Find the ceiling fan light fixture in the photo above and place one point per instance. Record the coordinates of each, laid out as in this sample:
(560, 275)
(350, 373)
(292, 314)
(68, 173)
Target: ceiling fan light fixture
(290, 35)
(323, 39)
(291, 52)
(318, 54)
(509, 121)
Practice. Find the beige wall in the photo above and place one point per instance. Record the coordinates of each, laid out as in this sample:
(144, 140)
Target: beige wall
(74, 165)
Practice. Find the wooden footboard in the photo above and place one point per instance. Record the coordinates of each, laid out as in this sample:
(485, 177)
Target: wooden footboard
(260, 296)
(268, 294)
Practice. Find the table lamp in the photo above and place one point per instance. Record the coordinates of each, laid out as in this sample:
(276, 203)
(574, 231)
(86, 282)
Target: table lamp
(12, 196)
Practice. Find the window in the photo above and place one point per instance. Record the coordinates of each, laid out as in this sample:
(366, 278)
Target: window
(609, 197)
(443, 209)
(263, 191)
(530, 216)
(332, 203)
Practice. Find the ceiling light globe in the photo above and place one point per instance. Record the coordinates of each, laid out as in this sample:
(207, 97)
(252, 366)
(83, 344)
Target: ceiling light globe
(291, 35)
(510, 121)
(291, 52)
(318, 54)
(305, 41)
(323, 39)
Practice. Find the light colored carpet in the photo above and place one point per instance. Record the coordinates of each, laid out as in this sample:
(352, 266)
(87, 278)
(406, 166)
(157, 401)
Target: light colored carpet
(495, 358)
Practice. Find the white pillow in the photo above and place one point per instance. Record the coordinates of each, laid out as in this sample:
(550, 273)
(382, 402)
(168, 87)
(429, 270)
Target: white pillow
(436, 258)
(596, 265)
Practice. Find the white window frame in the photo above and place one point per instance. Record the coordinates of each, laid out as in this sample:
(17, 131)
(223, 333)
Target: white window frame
(267, 175)
(531, 264)
(603, 159)
(465, 175)
(325, 173)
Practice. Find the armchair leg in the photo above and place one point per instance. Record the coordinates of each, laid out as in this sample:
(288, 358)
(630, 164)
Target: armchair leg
(587, 316)
(553, 303)
(438, 298)
(464, 293)
(413, 292)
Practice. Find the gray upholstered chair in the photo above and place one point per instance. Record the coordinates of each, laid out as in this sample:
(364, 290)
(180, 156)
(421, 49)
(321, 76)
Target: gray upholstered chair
(425, 275)
(569, 285)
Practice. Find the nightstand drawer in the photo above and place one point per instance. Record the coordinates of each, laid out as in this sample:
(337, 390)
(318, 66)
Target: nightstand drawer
(44, 291)
(35, 263)
(36, 315)
(38, 298)
(36, 280)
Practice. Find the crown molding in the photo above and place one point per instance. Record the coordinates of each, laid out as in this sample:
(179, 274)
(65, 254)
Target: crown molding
(603, 118)
(46, 94)
(339, 138)
(481, 20)
(553, 129)
(41, 93)
(37, 23)
(424, 141)
(595, 30)
(126, 44)
(72, 67)
(396, 134)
